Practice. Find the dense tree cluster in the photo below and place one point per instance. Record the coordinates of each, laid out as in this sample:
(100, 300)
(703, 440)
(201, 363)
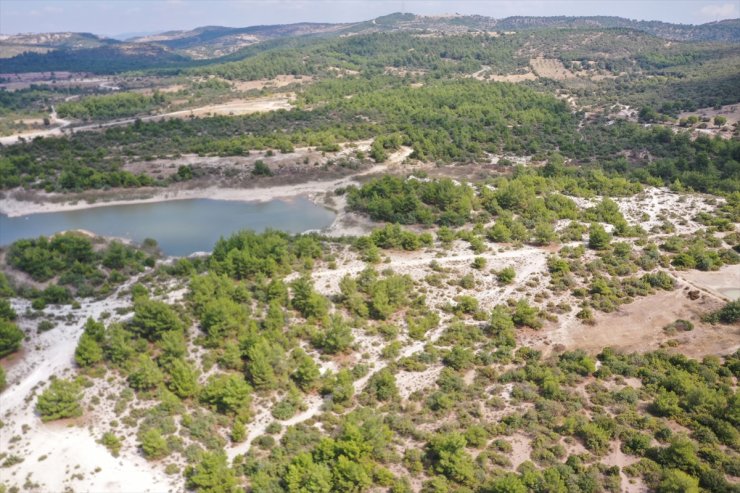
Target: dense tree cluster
(413, 201)
(77, 264)
(110, 106)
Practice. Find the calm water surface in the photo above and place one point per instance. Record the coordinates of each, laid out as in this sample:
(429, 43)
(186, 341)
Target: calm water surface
(181, 227)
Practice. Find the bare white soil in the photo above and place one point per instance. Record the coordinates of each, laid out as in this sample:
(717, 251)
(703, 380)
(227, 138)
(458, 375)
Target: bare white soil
(64, 454)
(12, 206)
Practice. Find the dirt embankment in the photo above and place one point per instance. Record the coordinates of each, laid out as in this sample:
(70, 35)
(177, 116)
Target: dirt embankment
(313, 182)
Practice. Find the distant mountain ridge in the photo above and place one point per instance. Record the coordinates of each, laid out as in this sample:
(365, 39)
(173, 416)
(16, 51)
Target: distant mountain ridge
(214, 41)
(726, 30)
(90, 52)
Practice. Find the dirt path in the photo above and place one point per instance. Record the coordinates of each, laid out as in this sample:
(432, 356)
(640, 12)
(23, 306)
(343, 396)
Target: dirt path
(236, 107)
(58, 130)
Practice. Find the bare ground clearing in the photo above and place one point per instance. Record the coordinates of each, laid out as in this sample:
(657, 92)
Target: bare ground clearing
(638, 326)
(235, 107)
(729, 111)
(551, 68)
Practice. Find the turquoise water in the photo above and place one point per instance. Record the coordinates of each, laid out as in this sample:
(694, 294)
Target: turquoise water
(181, 227)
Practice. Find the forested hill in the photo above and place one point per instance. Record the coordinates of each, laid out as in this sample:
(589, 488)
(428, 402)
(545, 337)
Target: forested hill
(726, 31)
(86, 52)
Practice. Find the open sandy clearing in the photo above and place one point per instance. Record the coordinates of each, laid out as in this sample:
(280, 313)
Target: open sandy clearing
(551, 68)
(236, 107)
(485, 74)
(638, 326)
(724, 283)
(73, 458)
(729, 111)
(276, 82)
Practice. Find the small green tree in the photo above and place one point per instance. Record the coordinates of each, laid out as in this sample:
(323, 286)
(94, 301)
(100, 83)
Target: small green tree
(95, 329)
(183, 379)
(211, 475)
(448, 456)
(501, 326)
(307, 301)
(677, 481)
(382, 385)
(306, 372)
(306, 476)
(88, 351)
(238, 431)
(259, 366)
(146, 376)
(10, 337)
(509, 483)
(152, 318)
(153, 444)
(337, 338)
(60, 400)
(341, 387)
(598, 238)
(173, 346)
(6, 310)
(228, 394)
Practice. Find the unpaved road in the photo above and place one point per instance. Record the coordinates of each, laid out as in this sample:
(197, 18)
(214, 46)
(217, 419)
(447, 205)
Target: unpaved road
(237, 107)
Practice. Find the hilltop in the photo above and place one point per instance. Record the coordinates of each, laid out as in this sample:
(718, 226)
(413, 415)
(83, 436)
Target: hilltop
(210, 42)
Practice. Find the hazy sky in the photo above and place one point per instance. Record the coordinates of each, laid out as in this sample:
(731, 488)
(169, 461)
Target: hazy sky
(112, 17)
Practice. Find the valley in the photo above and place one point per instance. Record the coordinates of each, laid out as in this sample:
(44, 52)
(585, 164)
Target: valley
(449, 254)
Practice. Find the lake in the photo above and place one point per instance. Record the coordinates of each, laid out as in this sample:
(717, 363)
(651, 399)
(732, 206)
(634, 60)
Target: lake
(181, 227)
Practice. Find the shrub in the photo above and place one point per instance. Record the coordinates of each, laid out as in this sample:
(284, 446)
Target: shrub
(211, 475)
(506, 275)
(261, 169)
(111, 442)
(598, 238)
(676, 481)
(479, 263)
(183, 379)
(728, 314)
(88, 351)
(382, 385)
(10, 337)
(679, 325)
(152, 318)
(60, 400)
(526, 315)
(153, 444)
(226, 393)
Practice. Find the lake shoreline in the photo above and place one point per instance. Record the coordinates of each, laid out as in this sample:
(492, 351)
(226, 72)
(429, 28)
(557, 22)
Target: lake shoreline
(180, 227)
(13, 207)
(40, 202)
(343, 223)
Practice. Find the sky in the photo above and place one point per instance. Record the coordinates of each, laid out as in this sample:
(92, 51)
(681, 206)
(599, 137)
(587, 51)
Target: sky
(113, 17)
